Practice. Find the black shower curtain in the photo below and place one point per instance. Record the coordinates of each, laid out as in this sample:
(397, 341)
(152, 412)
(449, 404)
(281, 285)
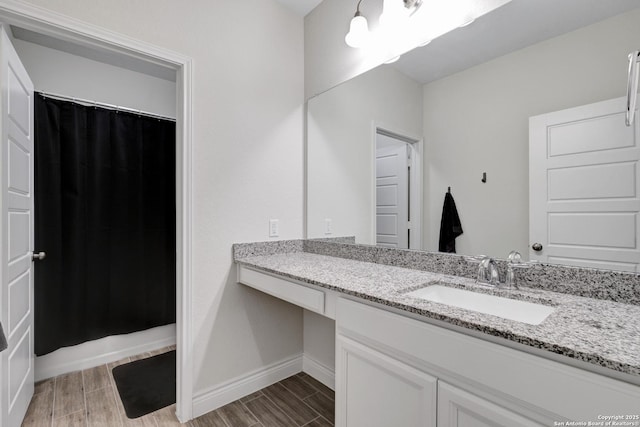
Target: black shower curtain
(105, 216)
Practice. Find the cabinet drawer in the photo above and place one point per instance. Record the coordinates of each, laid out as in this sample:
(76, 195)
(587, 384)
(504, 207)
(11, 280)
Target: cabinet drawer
(294, 293)
(458, 408)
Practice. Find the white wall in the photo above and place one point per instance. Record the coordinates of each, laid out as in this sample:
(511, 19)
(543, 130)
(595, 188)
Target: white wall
(320, 339)
(477, 121)
(341, 146)
(247, 160)
(61, 73)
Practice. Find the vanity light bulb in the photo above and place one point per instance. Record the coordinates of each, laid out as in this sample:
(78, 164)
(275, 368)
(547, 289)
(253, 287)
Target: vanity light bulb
(358, 34)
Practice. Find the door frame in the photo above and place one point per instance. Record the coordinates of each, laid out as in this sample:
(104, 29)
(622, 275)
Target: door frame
(52, 24)
(416, 145)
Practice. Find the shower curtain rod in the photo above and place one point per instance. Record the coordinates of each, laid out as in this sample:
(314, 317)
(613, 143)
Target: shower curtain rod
(104, 105)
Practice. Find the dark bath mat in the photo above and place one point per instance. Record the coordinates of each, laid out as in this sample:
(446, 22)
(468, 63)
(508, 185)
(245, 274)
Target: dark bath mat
(147, 385)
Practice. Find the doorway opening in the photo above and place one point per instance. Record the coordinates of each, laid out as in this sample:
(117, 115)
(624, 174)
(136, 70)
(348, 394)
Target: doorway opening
(123, 50)
(397, 193)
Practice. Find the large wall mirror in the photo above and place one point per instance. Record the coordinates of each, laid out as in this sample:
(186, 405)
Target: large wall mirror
(450, 113)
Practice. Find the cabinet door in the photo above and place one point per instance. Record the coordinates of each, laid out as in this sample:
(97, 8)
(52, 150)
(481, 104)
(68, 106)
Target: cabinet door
(375, 390)
(458, 408)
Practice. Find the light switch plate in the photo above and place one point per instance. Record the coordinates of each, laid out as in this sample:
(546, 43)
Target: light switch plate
(328, 226)
(274, 228)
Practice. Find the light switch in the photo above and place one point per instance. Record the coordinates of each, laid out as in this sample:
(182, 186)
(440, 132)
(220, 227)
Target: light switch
(328, 227)
(274, 228)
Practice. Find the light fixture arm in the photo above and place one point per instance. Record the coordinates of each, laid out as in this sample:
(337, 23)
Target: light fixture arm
(358, 9)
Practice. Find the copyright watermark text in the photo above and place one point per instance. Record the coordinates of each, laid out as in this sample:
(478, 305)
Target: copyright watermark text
(603, 420)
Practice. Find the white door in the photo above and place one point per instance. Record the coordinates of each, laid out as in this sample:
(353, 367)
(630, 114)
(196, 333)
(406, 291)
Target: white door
(16, 179)
(458, 408)
(375, 390)
(392, 192)
(583, 187)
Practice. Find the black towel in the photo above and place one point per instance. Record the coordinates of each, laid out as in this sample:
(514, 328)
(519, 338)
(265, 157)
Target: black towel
(450, 226)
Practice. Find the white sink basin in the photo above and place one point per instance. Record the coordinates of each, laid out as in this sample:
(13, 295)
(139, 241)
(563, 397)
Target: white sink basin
(520, 311)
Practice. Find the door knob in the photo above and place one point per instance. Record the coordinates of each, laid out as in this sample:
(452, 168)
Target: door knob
(536, 247)
(38, 256)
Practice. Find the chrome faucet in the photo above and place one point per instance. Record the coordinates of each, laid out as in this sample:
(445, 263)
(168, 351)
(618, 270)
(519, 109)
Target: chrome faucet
(488, 272)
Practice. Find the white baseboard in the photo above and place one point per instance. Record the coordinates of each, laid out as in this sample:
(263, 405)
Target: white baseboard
(105, 350)
(229, 391)
(320, 372)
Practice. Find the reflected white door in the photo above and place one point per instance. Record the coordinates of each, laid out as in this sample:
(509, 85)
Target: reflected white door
(584, 183)
(392, 192)
(16, 179)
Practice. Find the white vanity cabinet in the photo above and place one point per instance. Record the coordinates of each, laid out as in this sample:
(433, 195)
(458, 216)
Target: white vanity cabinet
(395, 370)
(378, 390)
(392, 367)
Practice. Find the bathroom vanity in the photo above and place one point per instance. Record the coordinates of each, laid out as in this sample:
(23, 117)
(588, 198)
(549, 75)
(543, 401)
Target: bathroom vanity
(404, 360)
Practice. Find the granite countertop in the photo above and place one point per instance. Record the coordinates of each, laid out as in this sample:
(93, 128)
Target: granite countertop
(597, 331)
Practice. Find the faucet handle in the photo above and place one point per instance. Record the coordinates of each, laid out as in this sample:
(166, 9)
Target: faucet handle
(514, 257)
(476, 259)
(514, 262)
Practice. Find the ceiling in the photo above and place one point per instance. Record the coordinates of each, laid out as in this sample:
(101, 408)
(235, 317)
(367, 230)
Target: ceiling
(301, 7)
(511, 27)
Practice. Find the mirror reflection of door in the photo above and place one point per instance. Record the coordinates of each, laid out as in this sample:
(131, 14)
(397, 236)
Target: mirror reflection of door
(394, 173)
(584, 187)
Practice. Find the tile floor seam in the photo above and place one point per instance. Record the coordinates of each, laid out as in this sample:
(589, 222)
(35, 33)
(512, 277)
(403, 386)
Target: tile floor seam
(70, 413)
(248, 410)
(303, 400)
(328, 422)
(251, 400)
(53, 402)
(113, 392)
(319, 390)
(319, 416)
(116, 393)
(84, 397)
(305, 403)
(279, 408)
(224, 418)
(291, 391)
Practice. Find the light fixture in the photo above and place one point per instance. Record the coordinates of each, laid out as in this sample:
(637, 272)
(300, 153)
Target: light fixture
(412, 6)
(358, 34)
(406, 24)
(394, 16)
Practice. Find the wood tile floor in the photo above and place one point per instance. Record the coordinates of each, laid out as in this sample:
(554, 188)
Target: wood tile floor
(89, 399)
